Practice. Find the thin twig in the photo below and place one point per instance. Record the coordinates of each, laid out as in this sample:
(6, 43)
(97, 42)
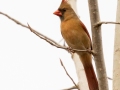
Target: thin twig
(36, 32)
(109, 78)
(54, 43)
(70, 88)
(50, 41)
(100, 23)
(68, 74)
(16, 21)
(61, 40)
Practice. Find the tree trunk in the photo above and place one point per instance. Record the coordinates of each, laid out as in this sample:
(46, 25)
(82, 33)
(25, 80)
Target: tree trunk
(97, 45)
(116, 62)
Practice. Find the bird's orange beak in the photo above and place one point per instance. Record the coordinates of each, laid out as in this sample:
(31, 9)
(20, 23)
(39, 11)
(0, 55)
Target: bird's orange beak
(58, 13)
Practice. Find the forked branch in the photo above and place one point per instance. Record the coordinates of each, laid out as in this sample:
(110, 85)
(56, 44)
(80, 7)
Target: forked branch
(47, 39)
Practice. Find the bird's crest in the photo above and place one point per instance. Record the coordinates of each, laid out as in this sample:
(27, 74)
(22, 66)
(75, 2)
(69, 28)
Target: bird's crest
(64, 1)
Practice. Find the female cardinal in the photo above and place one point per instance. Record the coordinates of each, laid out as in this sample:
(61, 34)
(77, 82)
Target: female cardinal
(77, 37)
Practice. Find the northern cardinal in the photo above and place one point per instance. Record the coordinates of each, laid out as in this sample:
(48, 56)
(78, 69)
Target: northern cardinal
(77, 37)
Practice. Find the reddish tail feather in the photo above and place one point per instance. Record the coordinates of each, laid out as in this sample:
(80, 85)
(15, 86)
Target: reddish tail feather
(89, 71)
(91, 77)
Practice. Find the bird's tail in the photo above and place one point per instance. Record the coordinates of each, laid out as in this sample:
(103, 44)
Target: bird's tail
(89, 71)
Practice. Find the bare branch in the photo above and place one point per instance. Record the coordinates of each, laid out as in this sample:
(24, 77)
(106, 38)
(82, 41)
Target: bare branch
(50, 41)
(100, 23)
(97, 45)
(109, 78)
(32, 30)
(116, 57)
(16, 21)
(70, 88)
(68, 74)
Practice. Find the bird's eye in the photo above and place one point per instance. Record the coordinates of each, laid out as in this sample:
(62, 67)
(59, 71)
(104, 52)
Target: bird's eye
(64, 9)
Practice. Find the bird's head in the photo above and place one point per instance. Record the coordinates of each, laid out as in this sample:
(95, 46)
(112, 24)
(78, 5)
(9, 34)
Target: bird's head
(64, 11)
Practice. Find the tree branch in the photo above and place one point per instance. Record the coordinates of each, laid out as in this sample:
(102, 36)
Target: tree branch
(109, 78)
(97, 45)
(116, 58)
(100, 23)
(68, 74)
(50, 41)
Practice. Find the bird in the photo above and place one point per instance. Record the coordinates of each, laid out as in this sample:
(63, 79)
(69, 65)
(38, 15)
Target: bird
(77, 37)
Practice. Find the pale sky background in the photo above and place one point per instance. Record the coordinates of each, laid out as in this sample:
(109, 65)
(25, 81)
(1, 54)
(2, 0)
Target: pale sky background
(28, 62)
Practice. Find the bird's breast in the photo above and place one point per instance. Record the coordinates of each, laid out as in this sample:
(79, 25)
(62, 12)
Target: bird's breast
(72, 38)
(74, 35)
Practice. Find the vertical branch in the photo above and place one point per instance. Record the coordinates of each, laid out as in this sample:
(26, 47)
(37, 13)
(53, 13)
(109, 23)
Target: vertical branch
(97, 45)
(116, 62)
(82, 80)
